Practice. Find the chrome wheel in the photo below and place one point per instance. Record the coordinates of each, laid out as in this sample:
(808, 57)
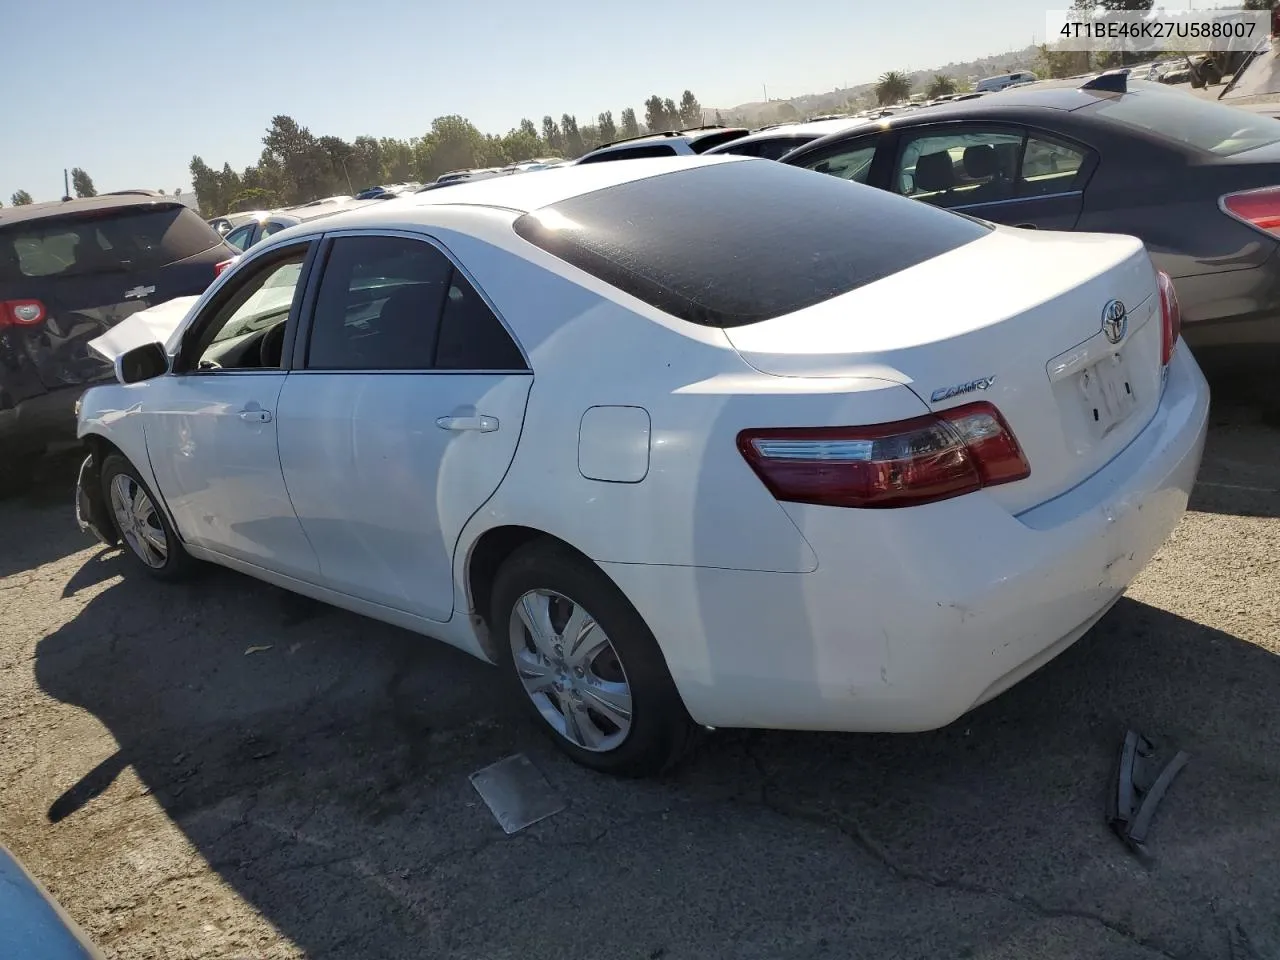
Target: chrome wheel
(138, 521)
(570, 670)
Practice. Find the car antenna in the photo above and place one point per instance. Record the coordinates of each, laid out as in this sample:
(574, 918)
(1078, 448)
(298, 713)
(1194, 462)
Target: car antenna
(1112, 81)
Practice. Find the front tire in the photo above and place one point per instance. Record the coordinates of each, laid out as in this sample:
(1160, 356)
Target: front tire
(585, 664)
(148, 539)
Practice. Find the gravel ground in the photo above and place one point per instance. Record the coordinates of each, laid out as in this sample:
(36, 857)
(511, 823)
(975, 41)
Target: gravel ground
(184, 798)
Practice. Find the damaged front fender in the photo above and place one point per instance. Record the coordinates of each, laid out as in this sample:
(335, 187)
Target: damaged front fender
(92, 513)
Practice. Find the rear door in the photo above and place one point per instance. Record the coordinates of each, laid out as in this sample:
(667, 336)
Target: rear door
(400, 418)
(1003, 173)
(88, 270)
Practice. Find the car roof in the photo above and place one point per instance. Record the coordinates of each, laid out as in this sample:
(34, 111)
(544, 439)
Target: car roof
(813, 128)
(54, 208)
(523, 194)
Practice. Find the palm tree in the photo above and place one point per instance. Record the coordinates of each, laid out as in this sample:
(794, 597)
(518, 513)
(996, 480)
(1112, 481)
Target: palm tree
(892, 87)
(940, 86)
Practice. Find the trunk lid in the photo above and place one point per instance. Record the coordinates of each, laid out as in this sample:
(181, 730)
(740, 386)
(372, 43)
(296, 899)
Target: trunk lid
(1017, 319)
(90, 271)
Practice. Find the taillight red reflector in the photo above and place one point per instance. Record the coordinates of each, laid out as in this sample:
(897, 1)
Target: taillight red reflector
(219, 267)
(900, 464)
(1258, 208)
(21, 313)
(1170, 317)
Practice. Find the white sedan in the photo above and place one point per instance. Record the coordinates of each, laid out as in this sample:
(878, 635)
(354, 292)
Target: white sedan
(673, 442)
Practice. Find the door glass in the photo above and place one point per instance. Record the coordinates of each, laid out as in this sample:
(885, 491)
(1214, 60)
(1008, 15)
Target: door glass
(959, 167)
(1049, 167)
(378, 306)
(247, 330)
(272, 226)
(471, 337)
(852, 164)
(242, 237)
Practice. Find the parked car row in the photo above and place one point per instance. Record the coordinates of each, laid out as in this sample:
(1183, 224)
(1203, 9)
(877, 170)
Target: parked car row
(737, 496)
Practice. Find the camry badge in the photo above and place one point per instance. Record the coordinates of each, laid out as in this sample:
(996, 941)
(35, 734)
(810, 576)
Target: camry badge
(946, 393)
(1115, 321)
(137, 292)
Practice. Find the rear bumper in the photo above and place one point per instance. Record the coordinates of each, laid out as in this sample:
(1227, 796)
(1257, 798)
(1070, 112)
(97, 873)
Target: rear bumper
(38, 421)
(916, 616)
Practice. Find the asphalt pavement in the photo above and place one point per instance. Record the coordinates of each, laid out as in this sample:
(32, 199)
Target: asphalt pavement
(220, 770)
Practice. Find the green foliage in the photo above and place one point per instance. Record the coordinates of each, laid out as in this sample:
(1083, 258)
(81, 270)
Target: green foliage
(940, 86)
(297, 166)
(690, 110)
(82, 183)
(1259, 4)
(630, 127)
(892, 87)
(20, 199)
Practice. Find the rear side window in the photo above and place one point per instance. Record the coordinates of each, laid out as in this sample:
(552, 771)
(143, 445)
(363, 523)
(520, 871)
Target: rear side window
(769, 148)
(738, 242)
(395, 303)
(705, 142)
(633, 153)
(1203, 124)
(124, 239)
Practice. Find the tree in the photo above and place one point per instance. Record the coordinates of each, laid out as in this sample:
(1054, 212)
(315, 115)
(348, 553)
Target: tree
(655, 117)
(629, 128)
(552, 137)
(690, 110)
(608, 132)
(719, 121)
(522, 144)
(573, 145)
(20, 199)
(672, 113)
(1260, 4)
(892, 87)
(82, 183)
(365, 164)
(940, 86)
(787, 110)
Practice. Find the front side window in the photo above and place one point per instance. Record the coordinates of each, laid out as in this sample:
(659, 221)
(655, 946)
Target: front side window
(967, 166)
(246, 329)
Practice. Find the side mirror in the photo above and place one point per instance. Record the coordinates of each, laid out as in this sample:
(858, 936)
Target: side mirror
(141, 363)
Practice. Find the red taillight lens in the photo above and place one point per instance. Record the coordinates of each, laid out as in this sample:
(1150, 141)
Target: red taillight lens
(219, 267)
(1258, 208)
(898, 464)
(1170, 317)
(21, 313)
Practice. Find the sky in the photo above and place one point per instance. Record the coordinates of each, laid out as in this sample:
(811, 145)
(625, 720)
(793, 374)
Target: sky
(130, 90)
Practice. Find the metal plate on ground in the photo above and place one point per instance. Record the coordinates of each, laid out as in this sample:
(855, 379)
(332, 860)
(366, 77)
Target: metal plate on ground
(516, 792)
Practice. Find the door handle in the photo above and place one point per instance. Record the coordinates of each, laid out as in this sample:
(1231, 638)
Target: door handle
(479, 423)
(255, 416)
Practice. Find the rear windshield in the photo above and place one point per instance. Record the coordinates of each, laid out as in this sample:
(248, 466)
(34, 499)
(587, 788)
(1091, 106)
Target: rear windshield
(641, 152)
(734, 243)
(770, 148)
(124, 239)
(1203, 124)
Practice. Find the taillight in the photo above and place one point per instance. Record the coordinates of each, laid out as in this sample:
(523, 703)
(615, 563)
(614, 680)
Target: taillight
(219, 267)
(897, 464)
(1258, 208)
(21, 313)
(1170, 317)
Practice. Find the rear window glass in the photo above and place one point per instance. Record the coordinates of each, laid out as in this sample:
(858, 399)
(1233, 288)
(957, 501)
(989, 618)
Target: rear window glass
(1201, 123)
(127, 239)
(708, 140)
(632, 153)
(743, 241)
(770, 148)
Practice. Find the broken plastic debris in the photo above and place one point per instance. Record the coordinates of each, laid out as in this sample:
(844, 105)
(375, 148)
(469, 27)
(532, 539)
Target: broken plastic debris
(516, 793)
(1137, 788)
(257, 649)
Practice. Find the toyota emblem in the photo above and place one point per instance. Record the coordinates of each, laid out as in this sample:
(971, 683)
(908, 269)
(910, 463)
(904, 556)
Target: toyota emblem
(1115, 321)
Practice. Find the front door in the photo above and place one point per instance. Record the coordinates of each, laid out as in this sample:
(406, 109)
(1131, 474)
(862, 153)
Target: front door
(211, 425)
(1004, 174)
(401, 421)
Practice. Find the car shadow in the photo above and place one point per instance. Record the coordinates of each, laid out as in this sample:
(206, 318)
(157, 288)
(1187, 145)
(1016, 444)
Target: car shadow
(318, 762)
(25, 517)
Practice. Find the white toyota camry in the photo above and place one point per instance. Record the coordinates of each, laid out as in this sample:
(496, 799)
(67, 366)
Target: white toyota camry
(672, 442)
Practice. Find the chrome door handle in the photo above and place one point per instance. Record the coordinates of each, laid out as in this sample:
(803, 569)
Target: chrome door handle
(482, 424)
(255, 416)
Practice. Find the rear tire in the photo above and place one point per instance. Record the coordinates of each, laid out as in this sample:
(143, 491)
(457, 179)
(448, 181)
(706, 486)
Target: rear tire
(148, 539)
(591, 674)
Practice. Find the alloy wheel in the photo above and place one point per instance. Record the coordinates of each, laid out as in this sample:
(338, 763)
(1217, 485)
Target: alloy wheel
(138, 521)
(570, 670)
